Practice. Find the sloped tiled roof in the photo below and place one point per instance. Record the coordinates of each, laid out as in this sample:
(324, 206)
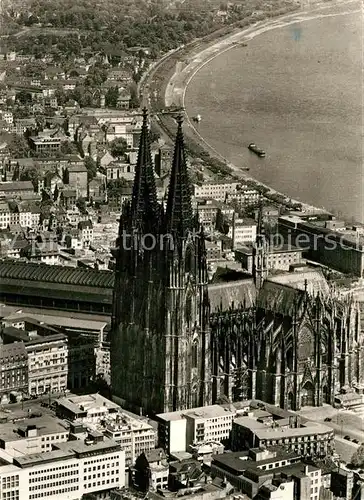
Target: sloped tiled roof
(279, 298)
(316, 281)
(236, 293)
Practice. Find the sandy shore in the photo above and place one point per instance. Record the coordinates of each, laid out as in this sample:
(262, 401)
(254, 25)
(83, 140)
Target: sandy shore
(186, 70)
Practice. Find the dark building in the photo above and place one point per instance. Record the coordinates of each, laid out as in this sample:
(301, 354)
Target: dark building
(160, 327)
(14, 369)
(179, 342)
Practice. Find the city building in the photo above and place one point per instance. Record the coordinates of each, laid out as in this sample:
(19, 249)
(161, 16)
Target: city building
(278, 258)
(242, 231)
(214, 190)
(46, 252)
(90, 408)
(45, 144)
(135, 435)
(15, 189)
(77, 179)
(178, 430)
(337, 247)
(151, 470)
(244, 196)
(208, 209)
(32, 435)
(13, 370)
(306, 439)
(68, 472)
(86, 233)
(47, 361)
(218, 489)
(249, 471)
(120, 170)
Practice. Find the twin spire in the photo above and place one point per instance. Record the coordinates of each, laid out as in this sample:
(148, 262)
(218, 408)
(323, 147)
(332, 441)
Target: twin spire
(144, 205)
(145, 210)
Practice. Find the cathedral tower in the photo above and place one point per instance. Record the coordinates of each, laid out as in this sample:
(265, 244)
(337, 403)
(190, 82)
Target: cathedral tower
(160, 342)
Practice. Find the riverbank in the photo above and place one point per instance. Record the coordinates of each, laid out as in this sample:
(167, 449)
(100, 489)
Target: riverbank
(197, 58)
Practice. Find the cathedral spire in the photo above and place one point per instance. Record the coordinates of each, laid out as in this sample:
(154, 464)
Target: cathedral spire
(144, 205)
(179, 206)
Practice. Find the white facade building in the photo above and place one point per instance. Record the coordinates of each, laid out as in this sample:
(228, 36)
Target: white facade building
(178, 430)
(134, 436)
(68, 472)
(35, 435)
(214, 190)
(242, 231)
(47, 360)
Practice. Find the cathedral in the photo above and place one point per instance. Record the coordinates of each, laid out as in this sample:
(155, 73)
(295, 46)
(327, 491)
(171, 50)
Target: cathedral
(181, 338)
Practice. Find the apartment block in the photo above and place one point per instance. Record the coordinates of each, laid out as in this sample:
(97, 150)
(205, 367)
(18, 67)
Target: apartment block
(68, 472)
(13, 370)
(306, 439)
(214, 190)
(32, 435)
(135, 435)
(47, 360)
(178, 430)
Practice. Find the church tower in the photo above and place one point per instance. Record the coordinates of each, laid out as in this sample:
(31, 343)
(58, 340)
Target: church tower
(260, 253)
(160, 341)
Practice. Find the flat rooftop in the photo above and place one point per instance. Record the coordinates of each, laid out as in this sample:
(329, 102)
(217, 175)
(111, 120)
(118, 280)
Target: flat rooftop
(46, 424)
(263, 431)
(64, 451)
(62, 321)
(212, 411)
(87, 402)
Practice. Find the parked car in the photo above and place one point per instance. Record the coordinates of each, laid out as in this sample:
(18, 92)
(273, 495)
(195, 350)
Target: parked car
(347, 438)
(356, 441)
(327, 419)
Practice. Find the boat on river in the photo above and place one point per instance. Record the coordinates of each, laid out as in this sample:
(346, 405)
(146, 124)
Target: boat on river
(258, 151)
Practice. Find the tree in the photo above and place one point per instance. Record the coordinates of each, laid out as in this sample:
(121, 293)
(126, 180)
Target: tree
(358, 458)
(111, 97)
(221, 225)
(134, 98)
(24, 97)
(154, 134)
(81, 205)
(118, 147)
(31, 174)
(66, 176)
(18, 146)
(90, 164)
(96, 77)
(67, 148)
(34, 68)
(16, 173)
(56, 193)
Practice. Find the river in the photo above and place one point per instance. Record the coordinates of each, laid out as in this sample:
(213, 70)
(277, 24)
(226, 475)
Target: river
(296, 92)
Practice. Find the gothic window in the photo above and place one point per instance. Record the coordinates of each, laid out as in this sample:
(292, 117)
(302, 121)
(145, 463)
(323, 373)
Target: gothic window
(306, 344)
(289, 359)
(326, 395)
(189, 260)
(188, 310)
(290, 401)
(194, 353)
